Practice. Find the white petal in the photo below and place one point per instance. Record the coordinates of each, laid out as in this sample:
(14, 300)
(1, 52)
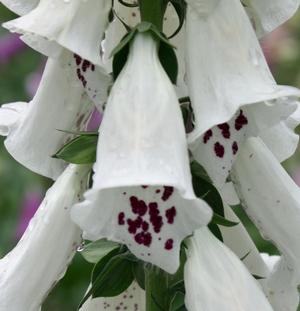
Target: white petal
(269, 14)
(133, 299)
(281, 138)
(222, 79)
(40, 259)
(204, 8)
(55, 24)
(10, 115)
(270, 198)
(20, 7)
(239, 241)
(60, 104)
(282, 286)
(215, 279)
(142, 142)
(217, 149)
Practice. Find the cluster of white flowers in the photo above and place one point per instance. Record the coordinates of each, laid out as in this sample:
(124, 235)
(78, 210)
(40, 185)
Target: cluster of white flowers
(142, 193)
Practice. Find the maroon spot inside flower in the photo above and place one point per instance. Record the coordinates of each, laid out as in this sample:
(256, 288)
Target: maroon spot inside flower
(143, 238)
(78, 59)
(145, 187)
(225, 128)
(219, 150)
(169, 244)
(86, 64)
(170, 214)
(168, 191)
(138, 206)
(145, 226)
(121, 218)
(155, 218)
(157, 191)
(207, 135)
(235, 148)
(93, 67)
(240, 121)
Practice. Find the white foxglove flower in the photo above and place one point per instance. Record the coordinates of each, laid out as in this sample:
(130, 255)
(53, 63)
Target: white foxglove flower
(281, 286)
(277, 281)
(269, 14)
(215, 279)
(271, 199)
(33, 129)
(57, 25)
(232, 90)
(20, 7)
(142, 194)
(40, 259)
(133, 299)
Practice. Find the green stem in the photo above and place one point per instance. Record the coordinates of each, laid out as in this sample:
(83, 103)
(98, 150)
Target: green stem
(156, 287)
(153, 11)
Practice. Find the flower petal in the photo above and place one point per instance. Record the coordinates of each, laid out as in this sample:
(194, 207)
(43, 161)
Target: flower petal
(29, 271)
(133, 299)
(54, 25)
(282, 286)
(142, 194)
(269, 14)
(20, 7)
(222, 79)
(60, 104)
(281, 138)
(9, 116)
(215, 279)
(270, 198)
(217, 148)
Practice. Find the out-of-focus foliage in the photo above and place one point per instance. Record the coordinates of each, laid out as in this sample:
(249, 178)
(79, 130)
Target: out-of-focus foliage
(283, 52)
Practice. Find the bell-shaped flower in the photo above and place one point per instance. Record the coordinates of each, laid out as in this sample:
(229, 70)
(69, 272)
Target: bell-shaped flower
(271, 199)
(277, 281)
(267, 15)
(281, 286)
(33, 129)
(57, 25)
(41, 257)
(142, 194)
(133, 299)
(232, 91)
(216, 279)
(20, 7)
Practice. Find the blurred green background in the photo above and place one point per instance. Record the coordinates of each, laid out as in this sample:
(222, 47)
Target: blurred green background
(20, 69)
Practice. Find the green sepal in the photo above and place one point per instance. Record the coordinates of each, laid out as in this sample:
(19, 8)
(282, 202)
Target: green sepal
(180, 8)
(166, 51)
(95, 251)
(80, 150)
(205, 190)
(222, 221)
(215, 230)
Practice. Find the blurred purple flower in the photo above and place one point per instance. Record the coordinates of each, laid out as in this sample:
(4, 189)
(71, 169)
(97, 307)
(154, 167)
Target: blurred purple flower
(296, 176)
(95, 121)
(30, 205)
(10, 45)
(32, 82)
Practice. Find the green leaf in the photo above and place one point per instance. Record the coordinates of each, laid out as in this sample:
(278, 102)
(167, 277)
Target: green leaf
(215, 230)
(199, 171)
(177, 301)
(95, 251)
(168, 60)
(113, 278)
(257, 277)
(180, 8)
(100, 266)
(80, 150)
(139, 273)
(221, 221)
